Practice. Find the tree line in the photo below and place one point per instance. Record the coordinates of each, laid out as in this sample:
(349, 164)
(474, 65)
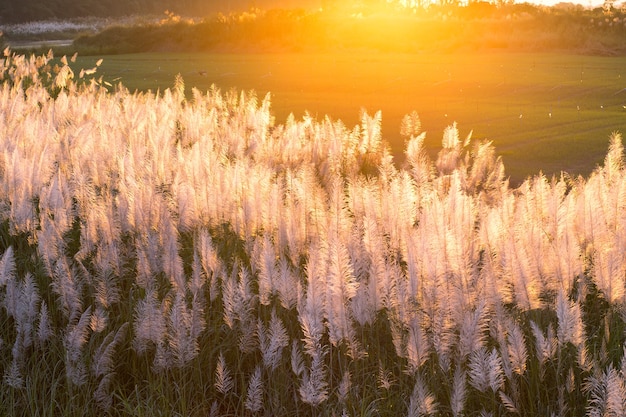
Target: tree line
(32, 10)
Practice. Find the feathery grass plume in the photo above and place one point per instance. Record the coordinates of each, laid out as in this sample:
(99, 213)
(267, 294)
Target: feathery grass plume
(516, 347)
(172, 262)
(272, 341)
(585, 358)
(186, 205)
(244, 309)
(104, 394)
(341, 288)
(385, 377)
(107, 288)
(21, 302)
(7, 266)
(545, 346)
(198, 282)
(311, 305)
(607, 394)
(371, 138)
(198, 277)
(183, 344)
(614, 160)
(361, 307)
(198, 321)
(287, 284)
(473, 329)
(63, 77)
(145, 276)
(508, 403)
(449, 157)
(297, 361)
(99, 320)
(74, 341)
(417, 346)
(343, 390)
(459, 392)
(486, 174)
(254, 394)
(13, 376)
(208, 253)
(411, 125)
(20, 192)
(102, 363)
(149, 323)
(313, 386)
(223, 380)
(266, 265)
(379, 287)
(50, 244)
(441, 330)
(53, 201)
(608, 270)
(485, 370)
(522, 272)
(65, 285)
(422, 401)
(230, 300)
(44, 328)
(163, 357)
(568, 315)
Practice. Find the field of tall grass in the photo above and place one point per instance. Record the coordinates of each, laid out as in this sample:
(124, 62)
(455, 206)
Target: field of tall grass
(171, 256)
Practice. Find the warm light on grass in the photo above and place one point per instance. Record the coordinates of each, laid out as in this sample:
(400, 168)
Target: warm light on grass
(559, 96)
(164, 255)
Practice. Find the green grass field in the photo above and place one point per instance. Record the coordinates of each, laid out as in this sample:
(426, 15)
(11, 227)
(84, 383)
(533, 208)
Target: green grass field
(543, 112)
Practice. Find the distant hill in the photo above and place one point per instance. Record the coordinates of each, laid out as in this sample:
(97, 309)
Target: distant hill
(30, 10)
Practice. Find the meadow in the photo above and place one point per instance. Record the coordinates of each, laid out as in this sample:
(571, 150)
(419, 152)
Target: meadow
(546, 112)
(185, 254)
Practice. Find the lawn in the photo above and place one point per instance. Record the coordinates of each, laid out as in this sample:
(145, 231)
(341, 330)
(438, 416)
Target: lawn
(543, 111)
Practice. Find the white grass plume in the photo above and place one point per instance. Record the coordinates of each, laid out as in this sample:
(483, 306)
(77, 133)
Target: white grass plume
(516, 348)
(287, 284)
(254, 393)
(65, 285)
(149, 323)
(74, 341)
(103, 360)
(607, 393)
(7, 266)
(545, 345)
(417, 346)
(272, 341)
(223, 380)
(473, 330)
(44, 327)
(313, 387)
(343, 390)
(459, 392)
(485, 370)
(182, 341)
(341, 288)
(267, 270)
(570, 328)
(422, 401)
